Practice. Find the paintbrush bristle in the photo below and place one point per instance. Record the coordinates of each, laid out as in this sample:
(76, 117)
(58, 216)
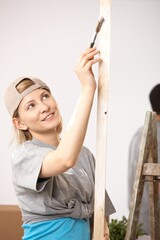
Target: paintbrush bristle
(99, 25)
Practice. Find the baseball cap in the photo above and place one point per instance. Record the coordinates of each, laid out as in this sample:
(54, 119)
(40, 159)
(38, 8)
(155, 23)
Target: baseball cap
(13, 98)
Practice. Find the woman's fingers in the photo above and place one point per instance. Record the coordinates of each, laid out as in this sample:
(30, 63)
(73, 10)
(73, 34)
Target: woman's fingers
(106, 237)
(88, 56)
(83, 68)
(91, 62)
(87, 51)
(87, 60)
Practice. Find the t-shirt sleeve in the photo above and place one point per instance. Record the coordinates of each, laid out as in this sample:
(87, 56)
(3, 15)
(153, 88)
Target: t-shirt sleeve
(26, 164)
(133, 157)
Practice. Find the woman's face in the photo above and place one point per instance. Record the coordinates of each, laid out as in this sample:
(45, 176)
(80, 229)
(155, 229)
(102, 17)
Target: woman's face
(38, 112)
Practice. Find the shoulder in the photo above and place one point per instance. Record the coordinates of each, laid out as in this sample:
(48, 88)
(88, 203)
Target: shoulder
(28, 150)
(86, 157)
(158, 125)
(25, 147)
(86, 151)
(137, 135)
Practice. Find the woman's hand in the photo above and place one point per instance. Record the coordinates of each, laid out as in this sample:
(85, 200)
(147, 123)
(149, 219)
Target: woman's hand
(106, 236)
(84, 65)
(106, 231)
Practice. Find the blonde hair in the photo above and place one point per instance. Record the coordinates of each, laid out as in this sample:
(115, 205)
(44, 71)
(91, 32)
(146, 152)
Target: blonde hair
(24, 135)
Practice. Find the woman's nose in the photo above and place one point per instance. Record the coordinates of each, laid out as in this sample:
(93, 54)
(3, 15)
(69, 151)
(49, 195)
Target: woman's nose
(43, 107)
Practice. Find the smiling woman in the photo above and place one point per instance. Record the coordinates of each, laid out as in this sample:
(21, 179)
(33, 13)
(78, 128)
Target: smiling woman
(37, 108)
(55, 173)
(29, 105)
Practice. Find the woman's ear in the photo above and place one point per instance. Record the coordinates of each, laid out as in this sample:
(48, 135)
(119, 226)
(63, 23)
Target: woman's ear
(19, 124)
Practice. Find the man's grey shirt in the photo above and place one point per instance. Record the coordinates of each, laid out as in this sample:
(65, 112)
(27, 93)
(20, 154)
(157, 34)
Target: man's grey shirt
(144, 217)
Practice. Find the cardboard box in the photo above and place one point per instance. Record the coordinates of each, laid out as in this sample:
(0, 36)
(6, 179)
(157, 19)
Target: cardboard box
(10, 223)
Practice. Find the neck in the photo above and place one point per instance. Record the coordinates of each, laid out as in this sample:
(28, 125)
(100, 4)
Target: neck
(51, 139)
(158, 118)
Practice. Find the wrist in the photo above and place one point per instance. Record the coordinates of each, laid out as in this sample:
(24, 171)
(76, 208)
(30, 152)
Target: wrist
(89, 89)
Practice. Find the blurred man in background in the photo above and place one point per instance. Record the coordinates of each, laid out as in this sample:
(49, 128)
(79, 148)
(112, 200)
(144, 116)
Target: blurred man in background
(144, 216)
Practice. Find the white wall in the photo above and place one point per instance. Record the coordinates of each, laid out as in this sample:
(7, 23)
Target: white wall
(44, 38)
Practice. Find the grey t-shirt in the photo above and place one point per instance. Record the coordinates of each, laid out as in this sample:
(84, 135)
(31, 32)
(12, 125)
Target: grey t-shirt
(70, 194)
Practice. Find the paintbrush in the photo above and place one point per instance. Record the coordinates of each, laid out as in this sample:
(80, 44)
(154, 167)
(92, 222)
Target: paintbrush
(98, 28)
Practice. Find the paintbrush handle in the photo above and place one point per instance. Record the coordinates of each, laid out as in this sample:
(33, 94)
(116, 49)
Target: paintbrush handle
(93, 40)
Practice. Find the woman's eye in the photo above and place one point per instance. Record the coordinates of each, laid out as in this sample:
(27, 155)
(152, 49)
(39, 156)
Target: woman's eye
(45, 96)
(30, 106)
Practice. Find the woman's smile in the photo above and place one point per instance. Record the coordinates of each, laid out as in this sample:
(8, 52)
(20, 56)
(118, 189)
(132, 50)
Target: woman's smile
(50, 116)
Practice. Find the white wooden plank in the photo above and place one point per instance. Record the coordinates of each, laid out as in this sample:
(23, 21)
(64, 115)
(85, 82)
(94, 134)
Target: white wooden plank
(102, 109)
